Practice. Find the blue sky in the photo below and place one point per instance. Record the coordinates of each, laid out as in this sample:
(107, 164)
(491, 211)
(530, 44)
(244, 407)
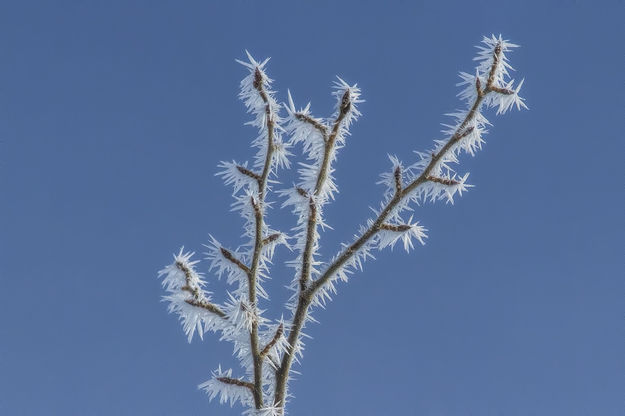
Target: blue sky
(114, 115)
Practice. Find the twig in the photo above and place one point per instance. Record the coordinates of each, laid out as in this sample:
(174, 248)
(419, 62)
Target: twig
(273, 341)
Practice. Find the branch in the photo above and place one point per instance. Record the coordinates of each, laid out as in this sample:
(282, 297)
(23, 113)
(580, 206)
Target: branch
(236, 382)
(195, 292)
(282, 372)
(504, 91)
(273, 341)
(310, 232)
(320, 127)
(321, 178)
(205, 305)
(249, 173)
(442, 181)
(343, 110)
(230, 257)
(258, 240)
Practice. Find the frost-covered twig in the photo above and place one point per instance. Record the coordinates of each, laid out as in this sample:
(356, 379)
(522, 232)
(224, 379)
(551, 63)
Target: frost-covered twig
(267, 348)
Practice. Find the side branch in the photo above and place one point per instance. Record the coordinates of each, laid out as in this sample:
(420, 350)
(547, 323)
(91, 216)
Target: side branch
(249, 173)
(323, 172)
(205, 305)
(397, 228)
(442, 181)
(236, 382)
(320, 127)
(195, 292)
(230, 257)
(273, 341)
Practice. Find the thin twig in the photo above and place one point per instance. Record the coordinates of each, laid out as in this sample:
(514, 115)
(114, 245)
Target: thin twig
(442, 181)
(195, 292)
(236, 382)
(249, 173)
(317, 125)
(273, 341)
(207, 306)
(230, 257)
(397, 228)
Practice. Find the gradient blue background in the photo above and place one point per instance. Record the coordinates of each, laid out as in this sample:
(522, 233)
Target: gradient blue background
(113, 116)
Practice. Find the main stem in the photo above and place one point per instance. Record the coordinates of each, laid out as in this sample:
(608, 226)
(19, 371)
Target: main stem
(282, 373)
(258, 243)
(307, 294)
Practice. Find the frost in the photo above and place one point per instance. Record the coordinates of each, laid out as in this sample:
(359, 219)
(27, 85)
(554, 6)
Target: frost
(267, 348)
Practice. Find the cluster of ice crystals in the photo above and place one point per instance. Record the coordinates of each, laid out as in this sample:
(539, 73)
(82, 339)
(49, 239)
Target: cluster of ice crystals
(500, 78)
(182, 284)
(313, 137)
(256, 105)
(227, 393)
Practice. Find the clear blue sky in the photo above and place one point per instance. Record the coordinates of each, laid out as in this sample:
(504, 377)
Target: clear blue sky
(114, 115)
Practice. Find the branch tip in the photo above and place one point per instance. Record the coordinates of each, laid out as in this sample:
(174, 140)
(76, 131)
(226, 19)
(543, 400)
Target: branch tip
(346, 103)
